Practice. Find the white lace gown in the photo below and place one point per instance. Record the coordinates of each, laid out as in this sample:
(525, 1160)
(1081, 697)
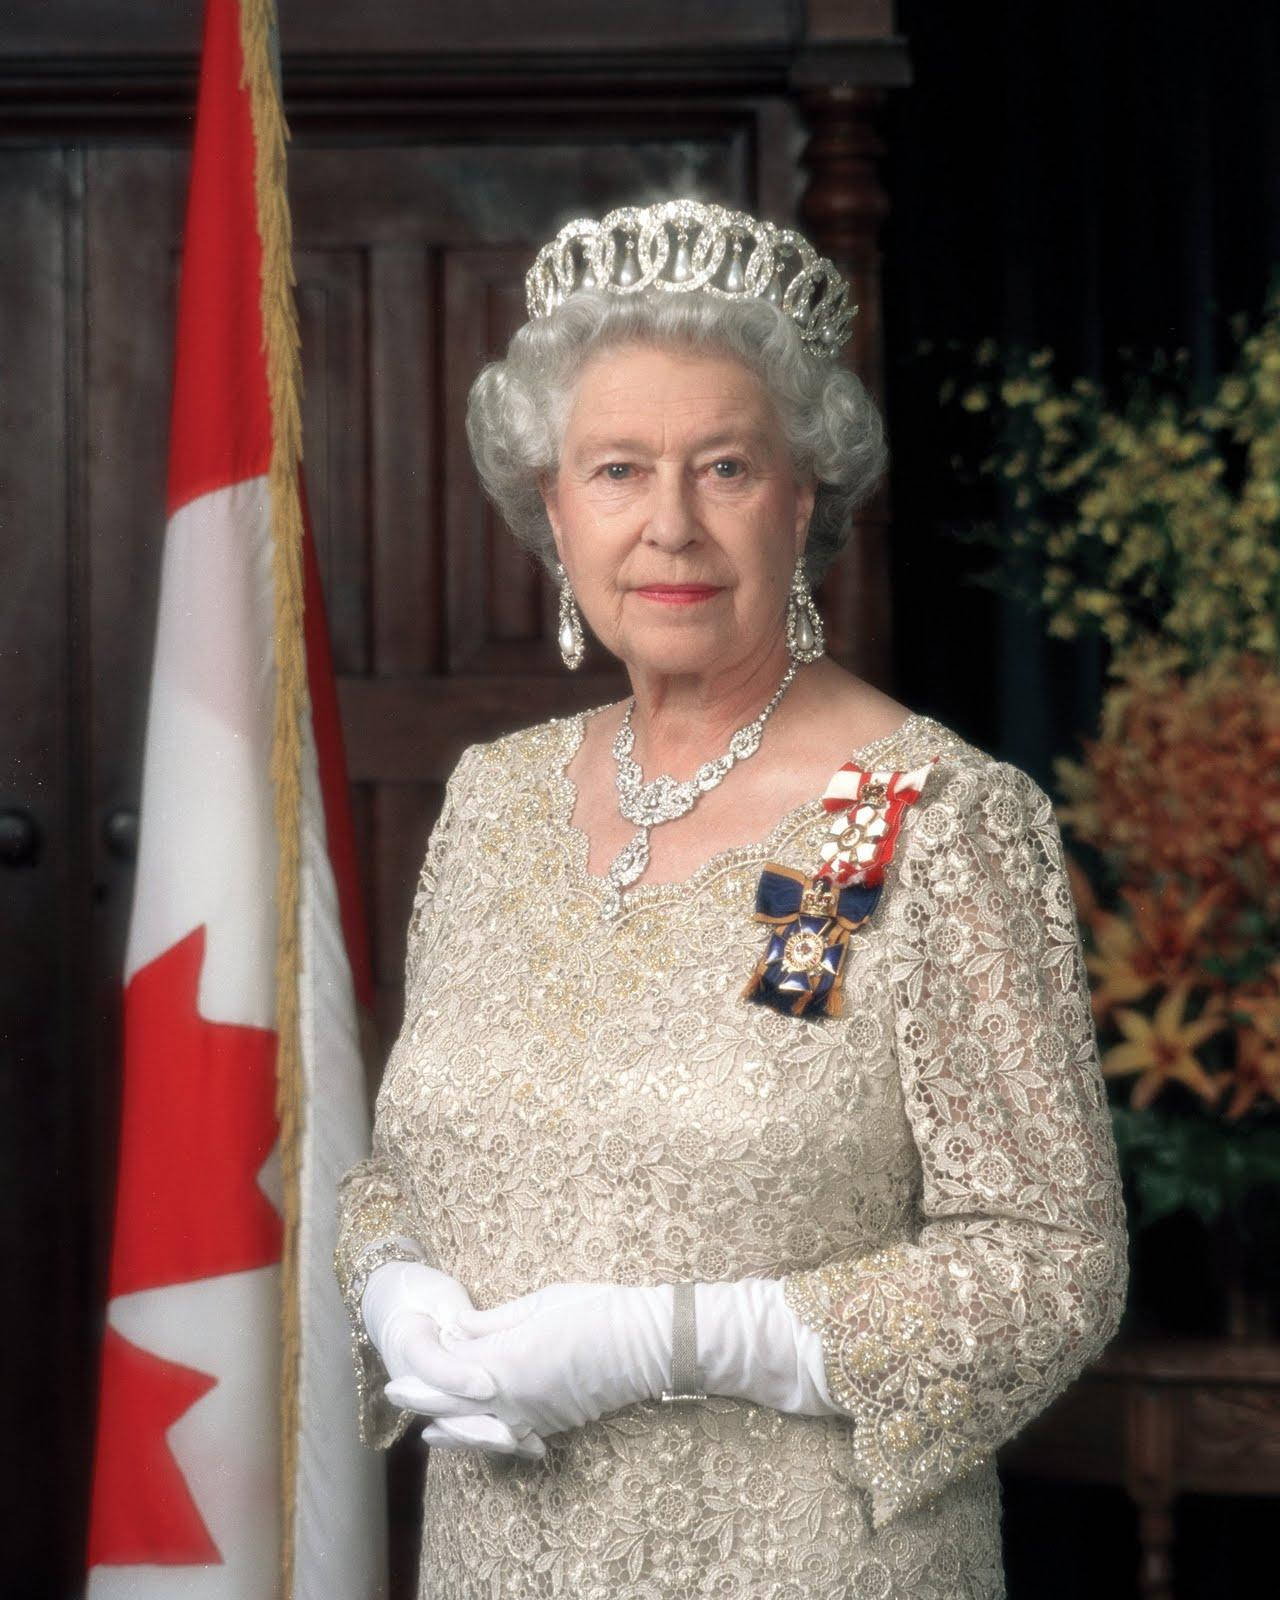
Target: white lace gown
(932, 1173)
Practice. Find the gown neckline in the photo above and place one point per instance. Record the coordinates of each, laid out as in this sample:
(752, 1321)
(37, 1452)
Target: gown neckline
(566, 801)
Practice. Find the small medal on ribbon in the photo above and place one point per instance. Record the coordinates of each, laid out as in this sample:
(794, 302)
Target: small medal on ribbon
(811, 916)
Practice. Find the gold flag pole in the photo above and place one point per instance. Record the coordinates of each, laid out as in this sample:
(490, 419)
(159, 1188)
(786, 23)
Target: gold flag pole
(259, 44)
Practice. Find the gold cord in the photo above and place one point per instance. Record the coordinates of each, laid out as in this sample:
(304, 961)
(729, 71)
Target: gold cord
(284, 376)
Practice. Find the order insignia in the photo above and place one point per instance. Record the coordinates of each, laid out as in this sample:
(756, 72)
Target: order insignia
(811, 915)
(803, 952)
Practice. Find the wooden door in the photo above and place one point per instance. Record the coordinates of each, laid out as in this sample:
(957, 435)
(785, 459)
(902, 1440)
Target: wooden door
(410, 264)
(433, 150)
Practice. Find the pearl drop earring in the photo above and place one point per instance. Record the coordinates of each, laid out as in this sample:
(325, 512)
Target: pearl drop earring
(806, 639)
(569, 635)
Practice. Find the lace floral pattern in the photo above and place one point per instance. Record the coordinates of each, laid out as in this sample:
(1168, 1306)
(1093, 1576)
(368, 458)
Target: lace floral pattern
(944, 1346)
(931, 1173)
(377, 1221)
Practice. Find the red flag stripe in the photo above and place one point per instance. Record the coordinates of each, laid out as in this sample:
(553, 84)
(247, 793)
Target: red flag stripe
(221, 421)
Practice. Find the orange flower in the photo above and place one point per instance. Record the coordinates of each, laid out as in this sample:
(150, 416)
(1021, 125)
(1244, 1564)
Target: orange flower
(1155, 947)
(1257, 1072)
(1184, 779)
(1257, 1068)
(1171, 931)
(1162, 1048)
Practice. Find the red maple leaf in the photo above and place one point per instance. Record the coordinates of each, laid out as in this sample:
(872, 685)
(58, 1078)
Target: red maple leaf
(198, 1122)
(142, 1508)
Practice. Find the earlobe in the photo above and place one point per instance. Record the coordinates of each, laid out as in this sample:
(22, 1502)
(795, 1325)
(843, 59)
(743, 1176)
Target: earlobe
(546, 488)
(804, 515)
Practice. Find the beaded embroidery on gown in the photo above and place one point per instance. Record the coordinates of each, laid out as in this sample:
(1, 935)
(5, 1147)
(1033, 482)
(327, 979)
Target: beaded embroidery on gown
(932, 1174)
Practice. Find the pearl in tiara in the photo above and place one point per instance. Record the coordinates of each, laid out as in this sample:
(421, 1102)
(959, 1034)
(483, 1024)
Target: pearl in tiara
(683, 245)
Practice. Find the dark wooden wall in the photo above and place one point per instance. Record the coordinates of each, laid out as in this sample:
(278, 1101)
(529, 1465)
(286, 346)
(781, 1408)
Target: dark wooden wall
(433, 149)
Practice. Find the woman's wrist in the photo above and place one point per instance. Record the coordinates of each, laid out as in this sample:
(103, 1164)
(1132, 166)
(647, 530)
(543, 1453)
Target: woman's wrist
(752, 1346)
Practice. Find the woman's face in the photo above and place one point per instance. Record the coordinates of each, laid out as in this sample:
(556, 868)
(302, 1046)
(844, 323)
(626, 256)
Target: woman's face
(676, 510)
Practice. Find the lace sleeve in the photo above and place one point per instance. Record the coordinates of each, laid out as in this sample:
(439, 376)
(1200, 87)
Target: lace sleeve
(376, 1216)
(941, 1347)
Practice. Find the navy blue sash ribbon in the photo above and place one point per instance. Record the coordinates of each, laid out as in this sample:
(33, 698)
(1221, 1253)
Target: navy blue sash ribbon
(803, 965)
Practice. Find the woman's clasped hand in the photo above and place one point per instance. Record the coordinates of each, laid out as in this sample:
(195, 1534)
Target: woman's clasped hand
(571, 1353)
(557, 1358)
(403, 1307)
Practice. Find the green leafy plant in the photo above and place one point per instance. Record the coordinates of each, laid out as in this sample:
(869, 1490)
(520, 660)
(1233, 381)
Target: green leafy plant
(1149, 517)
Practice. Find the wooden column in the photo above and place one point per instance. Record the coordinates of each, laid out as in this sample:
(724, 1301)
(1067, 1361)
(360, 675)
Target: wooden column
(842, 210)
(1150, 1440)
(850, 57)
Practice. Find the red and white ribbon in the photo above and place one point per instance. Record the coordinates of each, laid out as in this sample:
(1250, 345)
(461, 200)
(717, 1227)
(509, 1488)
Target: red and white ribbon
(867, 807)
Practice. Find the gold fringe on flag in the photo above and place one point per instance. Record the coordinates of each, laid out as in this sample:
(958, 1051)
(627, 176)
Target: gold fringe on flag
(259, 51)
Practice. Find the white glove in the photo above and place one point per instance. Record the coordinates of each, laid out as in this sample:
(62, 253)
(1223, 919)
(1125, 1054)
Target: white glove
(561, 1356)
(572, 1353)
(753, 1346)
(402, 1307)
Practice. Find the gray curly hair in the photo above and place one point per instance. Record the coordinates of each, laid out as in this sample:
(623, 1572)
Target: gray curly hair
(519, 407)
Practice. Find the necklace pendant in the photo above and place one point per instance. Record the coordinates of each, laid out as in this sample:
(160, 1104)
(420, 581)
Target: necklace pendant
(664, 798)
(631, 860)
(625, 868)
(661, 800)
(710, 773)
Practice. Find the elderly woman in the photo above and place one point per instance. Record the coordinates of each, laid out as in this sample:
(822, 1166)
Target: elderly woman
(742, 1176)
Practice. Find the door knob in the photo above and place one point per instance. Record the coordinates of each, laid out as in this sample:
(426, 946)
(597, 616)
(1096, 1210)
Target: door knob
(20, 837)
(120, 833)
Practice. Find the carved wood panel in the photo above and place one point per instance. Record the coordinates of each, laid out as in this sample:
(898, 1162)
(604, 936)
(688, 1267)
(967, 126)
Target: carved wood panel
(43, 890)
(410, 276)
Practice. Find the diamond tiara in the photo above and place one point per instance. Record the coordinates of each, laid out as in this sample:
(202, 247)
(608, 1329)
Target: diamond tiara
(682, 245)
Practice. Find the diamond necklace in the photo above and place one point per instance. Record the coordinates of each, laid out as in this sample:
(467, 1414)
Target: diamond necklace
(663, 799)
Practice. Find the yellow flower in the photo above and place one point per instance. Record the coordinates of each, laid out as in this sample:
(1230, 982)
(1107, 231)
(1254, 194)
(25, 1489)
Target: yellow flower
(1263, 636)
(1116, 627)
(1020, 391)
(1050, 411)
(1097, 602)
(1162, 1048)
(974, 400)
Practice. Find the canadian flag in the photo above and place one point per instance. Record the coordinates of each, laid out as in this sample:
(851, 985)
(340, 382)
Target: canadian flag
(227, 1461)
